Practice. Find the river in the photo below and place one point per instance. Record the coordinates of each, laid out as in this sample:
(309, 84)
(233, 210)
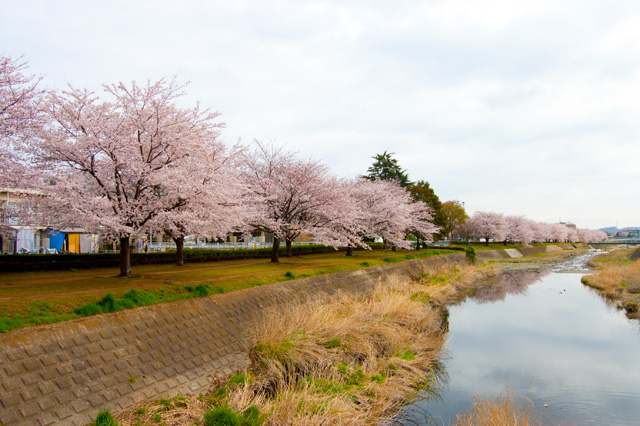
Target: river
(550, 340)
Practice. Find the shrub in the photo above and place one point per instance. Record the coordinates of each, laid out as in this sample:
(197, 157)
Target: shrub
(237, 379)
(221, 416)
(471, 254)
(104, 418)
(333, 343)
(109, 303)
(201, 290)
(225, 416)
(421, 296)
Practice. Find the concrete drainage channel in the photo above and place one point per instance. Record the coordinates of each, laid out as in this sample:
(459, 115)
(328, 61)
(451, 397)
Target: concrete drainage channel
(65, 373)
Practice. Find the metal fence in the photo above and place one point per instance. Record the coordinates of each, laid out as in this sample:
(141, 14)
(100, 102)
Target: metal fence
(218, 246)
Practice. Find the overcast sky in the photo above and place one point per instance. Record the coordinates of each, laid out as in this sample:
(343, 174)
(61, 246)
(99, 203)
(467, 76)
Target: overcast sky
(519, 107)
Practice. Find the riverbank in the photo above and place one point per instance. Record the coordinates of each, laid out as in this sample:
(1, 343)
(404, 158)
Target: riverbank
(352, 361)
(617, 279)
(555, 342)
(348, 361)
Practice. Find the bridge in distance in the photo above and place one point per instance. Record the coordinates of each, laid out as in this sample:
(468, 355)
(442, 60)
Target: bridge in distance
(620, 241)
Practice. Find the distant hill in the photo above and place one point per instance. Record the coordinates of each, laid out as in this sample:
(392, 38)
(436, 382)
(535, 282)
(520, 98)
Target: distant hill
(610, 229)
(613, 230)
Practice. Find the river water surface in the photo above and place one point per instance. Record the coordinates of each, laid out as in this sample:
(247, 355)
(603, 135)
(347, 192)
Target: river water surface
(549, 339)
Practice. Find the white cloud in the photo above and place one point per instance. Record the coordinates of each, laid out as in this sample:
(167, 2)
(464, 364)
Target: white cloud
(527, 105)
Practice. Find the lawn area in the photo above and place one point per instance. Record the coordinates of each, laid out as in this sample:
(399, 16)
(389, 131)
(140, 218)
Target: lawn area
(31, 298)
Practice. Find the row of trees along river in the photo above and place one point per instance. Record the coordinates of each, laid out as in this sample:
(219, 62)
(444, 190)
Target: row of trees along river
(133, 156)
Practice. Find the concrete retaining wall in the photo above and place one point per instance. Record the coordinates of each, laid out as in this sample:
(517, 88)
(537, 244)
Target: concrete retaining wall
(65, 373)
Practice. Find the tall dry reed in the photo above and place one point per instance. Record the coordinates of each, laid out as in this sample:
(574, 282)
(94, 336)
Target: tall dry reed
(505, 410)
(349, 362)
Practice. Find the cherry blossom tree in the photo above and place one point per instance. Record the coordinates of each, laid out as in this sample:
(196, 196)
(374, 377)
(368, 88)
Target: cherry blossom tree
(296, 197)
(488, 225)
(114, 165)
(465, 231)
(421, 223)
(572, 234)
(519, 229)
(559, 232)
(540, 231)
(19, 114)
(597, 236)
(377, 202)
(387, 210)
(346, 228)
(218, 204)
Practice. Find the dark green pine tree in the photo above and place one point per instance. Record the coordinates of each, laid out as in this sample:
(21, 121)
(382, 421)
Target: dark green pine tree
(385, 167)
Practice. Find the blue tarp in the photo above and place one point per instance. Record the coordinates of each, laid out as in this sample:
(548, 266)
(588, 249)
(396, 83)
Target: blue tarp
(56, 240)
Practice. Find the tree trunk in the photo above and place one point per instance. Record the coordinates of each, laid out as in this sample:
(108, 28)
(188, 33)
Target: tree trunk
(486, 241)
(350, 250)
(179, 250)
(275, 251)
(125, 256)
(288, 252)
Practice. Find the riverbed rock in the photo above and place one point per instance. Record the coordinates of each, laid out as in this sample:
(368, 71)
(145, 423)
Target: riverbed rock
(635, 255)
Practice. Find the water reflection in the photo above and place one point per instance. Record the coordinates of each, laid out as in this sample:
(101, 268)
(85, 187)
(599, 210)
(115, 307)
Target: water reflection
(507, 283)
(554, 342)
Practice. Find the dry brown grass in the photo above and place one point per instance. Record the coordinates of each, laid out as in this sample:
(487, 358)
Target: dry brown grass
(178, 411)
(505, 410)
(350, 362)
(618, 280)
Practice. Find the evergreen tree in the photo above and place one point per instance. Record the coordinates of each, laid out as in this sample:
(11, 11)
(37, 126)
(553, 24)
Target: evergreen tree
(385, 167)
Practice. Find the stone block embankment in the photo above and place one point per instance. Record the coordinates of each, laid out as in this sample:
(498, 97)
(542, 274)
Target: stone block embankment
(63, 374)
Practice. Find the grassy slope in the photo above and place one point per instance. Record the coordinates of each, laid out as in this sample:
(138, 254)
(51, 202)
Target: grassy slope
(348, 362)
(45, 297)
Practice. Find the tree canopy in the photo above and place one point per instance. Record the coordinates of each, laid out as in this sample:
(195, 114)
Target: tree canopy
(453, 216)
(385, 167)
(422, 191)
(294, 196)
(116, 165)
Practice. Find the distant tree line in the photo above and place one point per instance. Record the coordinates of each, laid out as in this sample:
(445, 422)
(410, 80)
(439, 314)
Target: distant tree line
(130, 157)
